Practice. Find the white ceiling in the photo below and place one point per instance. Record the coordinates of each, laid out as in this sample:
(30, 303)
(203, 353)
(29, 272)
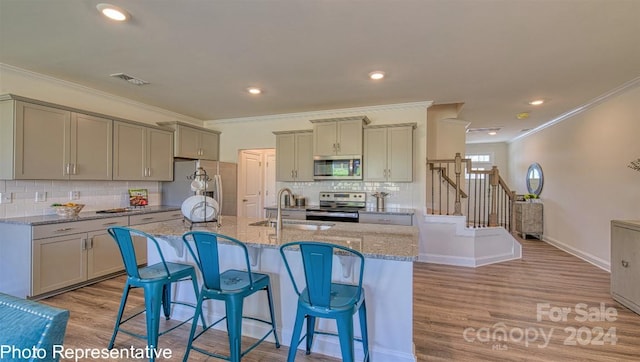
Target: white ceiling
(200, 56)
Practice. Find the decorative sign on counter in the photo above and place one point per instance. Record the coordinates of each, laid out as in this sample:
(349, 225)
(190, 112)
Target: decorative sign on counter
(138, 197)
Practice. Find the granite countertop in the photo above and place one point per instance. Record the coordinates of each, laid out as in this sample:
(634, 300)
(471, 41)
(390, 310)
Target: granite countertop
(367, 210)
(391, 242)
(84, 216)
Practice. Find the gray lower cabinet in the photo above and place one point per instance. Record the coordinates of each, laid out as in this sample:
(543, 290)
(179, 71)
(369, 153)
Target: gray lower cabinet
(49, 258)
(82, 251)
(287, 214)
(625, 263)
(529, 218)
(385, 218)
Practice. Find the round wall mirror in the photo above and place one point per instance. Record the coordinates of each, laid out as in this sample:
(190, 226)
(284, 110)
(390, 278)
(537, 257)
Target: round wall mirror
(535, 179)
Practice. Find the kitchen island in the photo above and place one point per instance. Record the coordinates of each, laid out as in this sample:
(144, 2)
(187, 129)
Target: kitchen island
(390, 251)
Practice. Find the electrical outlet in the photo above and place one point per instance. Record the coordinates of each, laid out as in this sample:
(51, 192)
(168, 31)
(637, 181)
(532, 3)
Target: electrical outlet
(41, 196)
(5, 197)
(74, 195)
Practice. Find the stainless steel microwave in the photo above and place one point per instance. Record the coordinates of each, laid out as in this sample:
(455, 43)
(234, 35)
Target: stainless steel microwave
(337, 168)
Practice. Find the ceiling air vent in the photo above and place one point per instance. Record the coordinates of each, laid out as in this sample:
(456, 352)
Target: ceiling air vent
(130, 79)
(483, 130)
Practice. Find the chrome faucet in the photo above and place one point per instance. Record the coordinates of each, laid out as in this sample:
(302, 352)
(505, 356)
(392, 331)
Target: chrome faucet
(279, 204)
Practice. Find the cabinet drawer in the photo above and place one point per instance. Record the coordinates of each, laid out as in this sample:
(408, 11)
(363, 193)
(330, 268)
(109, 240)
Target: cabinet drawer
(287, 214)
(381, 218)
(155, 217)
(74, 227)
(625, 265)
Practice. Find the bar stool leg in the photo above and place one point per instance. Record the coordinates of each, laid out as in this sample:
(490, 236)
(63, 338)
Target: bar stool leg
(123, 302)
(345, 333)
(234, 325)
(311, 328)
(362, 314)
(295, 338)
(273, 317)
(152, 297)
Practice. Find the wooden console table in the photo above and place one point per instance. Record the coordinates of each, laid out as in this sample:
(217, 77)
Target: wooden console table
(529, 219)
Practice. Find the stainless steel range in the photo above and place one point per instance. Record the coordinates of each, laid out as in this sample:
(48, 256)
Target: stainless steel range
(338, 206)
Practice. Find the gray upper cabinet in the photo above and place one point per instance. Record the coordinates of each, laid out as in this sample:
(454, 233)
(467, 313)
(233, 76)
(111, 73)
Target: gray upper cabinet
(142, 153)
(294, 155)
(194, 142)
(388, 153)
(41, 142)
(338, 136)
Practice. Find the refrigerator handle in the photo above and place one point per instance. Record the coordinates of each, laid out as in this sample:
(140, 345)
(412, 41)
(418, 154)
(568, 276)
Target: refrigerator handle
(217, 184)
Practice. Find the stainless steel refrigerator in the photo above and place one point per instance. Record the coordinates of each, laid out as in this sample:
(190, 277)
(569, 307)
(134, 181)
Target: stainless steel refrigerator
(222, 187)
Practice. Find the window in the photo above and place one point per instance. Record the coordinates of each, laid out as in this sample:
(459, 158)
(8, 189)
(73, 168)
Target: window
(479, 162)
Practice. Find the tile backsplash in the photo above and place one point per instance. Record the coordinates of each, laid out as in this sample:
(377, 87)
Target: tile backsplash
(401, 194)
(95, 195)
(98, 195)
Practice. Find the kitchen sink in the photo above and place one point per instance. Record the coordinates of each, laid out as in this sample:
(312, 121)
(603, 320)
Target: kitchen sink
(263, 223)
(298, 225)
(306, 226)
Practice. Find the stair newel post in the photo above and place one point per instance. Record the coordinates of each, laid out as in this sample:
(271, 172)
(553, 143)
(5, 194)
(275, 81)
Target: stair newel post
(494, 179)
(458, 171)
(512, 205)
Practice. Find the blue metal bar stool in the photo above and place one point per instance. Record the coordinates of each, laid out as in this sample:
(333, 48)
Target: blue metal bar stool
(156, 281)
(323, 298)
(230, 286)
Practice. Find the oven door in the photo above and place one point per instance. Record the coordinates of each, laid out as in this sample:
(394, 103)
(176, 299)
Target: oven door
(330, 215)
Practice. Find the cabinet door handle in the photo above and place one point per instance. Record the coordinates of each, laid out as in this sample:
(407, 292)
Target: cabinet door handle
(334, 147)
(338, 146)
(63, 229)
(110, 223)
(83, 244)
(74, 168)
(66, 169)
(625, 264)
(291, 173)
(296, 172)
(149, 171)
(388, 172)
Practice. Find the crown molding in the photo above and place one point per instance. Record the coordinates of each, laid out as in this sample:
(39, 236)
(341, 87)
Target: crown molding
(85, 89)
(587, 106)
(332, 113)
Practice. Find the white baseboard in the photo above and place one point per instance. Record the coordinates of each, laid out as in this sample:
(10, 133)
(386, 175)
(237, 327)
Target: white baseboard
(589, 258)
(322, 344)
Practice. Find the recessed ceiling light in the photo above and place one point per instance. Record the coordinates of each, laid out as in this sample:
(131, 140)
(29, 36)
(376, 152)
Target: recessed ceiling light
(113, 12)
(376, 75)
(522, 115)
(254, 90)
(493, 133)
(536, 102)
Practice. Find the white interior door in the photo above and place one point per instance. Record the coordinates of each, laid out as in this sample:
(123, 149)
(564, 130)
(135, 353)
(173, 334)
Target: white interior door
(250, 184)
(270, 178)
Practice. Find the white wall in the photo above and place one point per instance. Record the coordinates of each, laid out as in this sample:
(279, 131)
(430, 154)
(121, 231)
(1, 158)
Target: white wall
(94, 194)
(247, 133)
(44, 88)
(586, 179)
(257, 132)
(500, 153)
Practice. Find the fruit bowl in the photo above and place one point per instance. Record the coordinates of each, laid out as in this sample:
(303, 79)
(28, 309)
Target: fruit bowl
(68, 210)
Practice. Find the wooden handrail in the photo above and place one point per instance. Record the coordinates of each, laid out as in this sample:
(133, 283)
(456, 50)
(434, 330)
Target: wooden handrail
(448, 179)
(500, 200)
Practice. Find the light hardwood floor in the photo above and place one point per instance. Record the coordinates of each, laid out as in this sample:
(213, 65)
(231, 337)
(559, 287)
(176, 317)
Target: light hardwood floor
(447, 302)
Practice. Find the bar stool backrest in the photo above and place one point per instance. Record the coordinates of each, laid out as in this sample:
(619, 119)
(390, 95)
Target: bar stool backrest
(207, 255)
(124, 238)
(317, 260)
